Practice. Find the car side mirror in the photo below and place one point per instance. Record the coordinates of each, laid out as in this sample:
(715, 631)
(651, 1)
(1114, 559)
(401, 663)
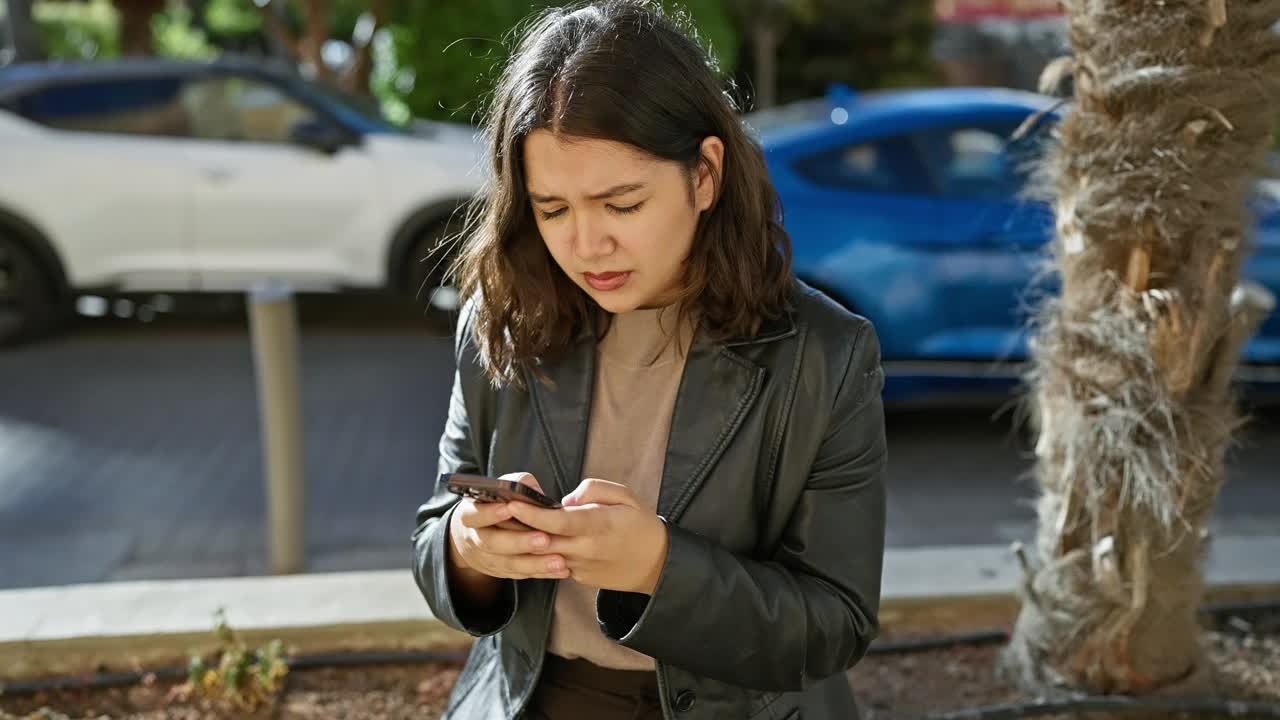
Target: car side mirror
(319, 135)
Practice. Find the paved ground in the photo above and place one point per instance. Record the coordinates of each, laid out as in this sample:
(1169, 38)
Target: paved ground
(131, 452)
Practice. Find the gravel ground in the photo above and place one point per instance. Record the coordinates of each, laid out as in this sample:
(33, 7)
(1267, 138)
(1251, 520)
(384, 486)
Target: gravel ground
(888, 687)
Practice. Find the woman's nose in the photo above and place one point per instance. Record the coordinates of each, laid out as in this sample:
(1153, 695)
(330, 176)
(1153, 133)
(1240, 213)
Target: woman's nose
(591, 241)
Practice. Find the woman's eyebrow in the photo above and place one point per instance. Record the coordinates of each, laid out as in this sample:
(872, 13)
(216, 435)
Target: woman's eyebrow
(614, 191)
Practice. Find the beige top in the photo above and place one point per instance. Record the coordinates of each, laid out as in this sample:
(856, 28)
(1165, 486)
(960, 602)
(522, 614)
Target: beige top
(637, 375)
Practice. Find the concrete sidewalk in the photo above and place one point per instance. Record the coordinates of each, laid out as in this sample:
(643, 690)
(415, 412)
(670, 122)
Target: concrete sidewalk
(73, 629)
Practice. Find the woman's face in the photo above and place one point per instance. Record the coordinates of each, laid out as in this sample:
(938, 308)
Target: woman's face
(618, 221)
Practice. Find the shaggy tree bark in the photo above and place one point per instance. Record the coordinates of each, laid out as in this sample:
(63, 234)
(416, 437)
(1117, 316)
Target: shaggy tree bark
(1174, 110)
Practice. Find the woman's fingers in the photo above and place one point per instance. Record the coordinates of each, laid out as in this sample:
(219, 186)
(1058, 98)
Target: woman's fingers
(603, 492)
(513, 525)
(524, 478)
(511, 542)
(477, 515)
(523, 567)
(534, 566)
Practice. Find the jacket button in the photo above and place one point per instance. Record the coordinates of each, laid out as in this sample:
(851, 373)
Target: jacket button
(685, 700)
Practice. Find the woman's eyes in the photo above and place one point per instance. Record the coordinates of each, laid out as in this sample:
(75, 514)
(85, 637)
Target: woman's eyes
(625, 210)
(628, 210)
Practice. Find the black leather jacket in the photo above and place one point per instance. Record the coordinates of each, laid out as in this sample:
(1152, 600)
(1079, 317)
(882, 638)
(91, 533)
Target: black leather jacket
(773, 493)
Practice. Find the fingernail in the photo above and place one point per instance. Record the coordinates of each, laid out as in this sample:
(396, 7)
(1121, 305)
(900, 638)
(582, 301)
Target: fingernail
(539, 541)
(555, 565)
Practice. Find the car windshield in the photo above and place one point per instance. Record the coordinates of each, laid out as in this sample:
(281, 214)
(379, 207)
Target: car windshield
(353, 108)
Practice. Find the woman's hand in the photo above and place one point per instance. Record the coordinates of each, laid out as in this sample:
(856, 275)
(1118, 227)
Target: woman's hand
(484, 539)
(608, 540)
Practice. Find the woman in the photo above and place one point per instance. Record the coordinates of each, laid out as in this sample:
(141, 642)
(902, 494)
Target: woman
(635, 345)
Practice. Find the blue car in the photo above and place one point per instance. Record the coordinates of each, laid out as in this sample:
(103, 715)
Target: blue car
(909, 207)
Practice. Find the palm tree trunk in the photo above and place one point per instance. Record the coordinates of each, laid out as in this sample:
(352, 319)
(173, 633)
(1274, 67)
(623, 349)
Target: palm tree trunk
(1175, 107)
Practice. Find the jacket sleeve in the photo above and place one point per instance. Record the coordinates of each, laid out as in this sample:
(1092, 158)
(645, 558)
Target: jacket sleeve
(810, 610)
(460, 451)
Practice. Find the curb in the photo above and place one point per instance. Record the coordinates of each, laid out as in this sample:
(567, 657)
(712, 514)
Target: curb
(77, 629)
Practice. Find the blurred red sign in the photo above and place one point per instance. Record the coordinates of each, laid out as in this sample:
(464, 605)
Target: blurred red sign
(970, 10)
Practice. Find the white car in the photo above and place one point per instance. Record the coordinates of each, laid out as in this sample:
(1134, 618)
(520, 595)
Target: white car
(163, 176)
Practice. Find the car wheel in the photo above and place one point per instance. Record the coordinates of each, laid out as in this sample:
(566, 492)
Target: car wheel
(429, 261)
(28, 303)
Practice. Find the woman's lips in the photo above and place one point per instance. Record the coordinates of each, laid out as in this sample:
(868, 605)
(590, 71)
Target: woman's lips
(607, 281)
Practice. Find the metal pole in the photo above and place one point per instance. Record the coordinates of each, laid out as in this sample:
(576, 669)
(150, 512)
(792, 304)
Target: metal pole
(274, 326)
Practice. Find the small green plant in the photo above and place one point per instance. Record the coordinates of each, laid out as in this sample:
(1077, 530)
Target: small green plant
(243, 678)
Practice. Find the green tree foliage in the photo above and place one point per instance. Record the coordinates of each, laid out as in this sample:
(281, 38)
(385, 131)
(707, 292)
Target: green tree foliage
(175, 35)
(448, 52)
(91, 31)
(865, 45)
(439, 58)
(232, 18)
(78, 31)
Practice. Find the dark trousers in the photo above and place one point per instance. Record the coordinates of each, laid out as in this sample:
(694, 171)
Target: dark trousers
(578, 689)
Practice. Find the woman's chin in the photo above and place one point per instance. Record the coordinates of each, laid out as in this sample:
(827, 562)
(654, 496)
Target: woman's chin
(615, 305)
(614, 301)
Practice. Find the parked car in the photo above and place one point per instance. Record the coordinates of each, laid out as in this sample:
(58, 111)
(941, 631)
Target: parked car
(908, 207)
(165, 176)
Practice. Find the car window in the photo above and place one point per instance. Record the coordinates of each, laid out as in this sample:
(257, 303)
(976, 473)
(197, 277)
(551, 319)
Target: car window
(890, 165)
(359, 111)
(980, 162)
(228, 107)
(133, 106)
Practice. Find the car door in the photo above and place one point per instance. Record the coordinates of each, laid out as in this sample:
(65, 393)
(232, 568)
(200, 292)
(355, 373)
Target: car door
(993, 236)
(109, 183)
(855, 210)
(265, 206)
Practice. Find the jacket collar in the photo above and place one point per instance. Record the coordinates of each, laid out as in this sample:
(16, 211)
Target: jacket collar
(771, 329)
(718, 389)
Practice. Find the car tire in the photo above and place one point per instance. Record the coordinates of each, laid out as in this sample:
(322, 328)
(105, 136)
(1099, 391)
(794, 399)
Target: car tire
(29, 305)
(430, 259)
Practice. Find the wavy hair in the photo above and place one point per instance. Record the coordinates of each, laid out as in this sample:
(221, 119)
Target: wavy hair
(624, 71)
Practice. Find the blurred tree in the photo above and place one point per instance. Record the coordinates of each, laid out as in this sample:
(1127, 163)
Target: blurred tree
(1174, 111)
(78, 30)
(308, 46)
(23, 34)
(236, 26)
(430, 58)
(448, 53)
(91, 31)
(865, 45)
(135, 25)
(766, 23)
(177, 34)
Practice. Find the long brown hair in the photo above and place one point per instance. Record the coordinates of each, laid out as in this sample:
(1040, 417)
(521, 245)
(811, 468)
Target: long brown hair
(618, 70)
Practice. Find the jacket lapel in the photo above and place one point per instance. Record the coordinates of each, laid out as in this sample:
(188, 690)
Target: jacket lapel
(563, 411)
(718, 389)
(703, 423)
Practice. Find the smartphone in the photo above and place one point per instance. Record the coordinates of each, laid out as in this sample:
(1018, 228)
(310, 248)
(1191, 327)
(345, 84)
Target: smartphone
(491, 489)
